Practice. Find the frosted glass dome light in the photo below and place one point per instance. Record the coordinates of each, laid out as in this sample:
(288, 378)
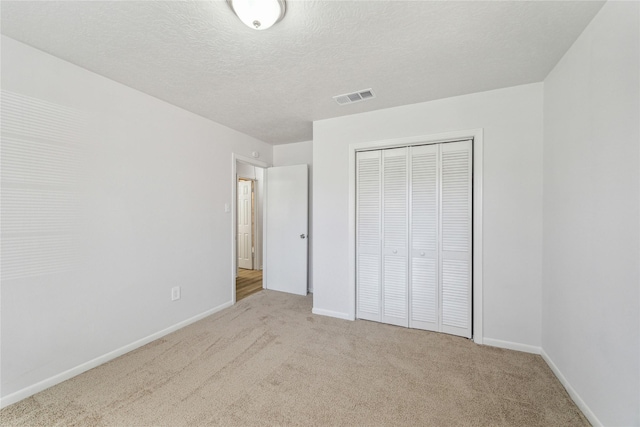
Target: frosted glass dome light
(258, 14)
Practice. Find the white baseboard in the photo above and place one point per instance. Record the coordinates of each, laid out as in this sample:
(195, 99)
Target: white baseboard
(572, 392)
(511, 345)
(70, 373)
(330, 313)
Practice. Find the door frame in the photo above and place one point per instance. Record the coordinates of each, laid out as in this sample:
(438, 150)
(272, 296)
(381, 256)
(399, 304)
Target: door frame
(476, 135)
(235, 158)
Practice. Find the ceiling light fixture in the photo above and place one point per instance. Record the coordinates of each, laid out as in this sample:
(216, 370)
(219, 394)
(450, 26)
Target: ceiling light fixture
(258, 14)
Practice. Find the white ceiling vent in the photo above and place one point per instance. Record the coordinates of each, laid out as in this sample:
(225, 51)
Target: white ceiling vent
(350, 98)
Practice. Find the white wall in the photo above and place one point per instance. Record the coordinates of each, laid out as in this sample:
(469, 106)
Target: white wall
(512, 122)
(297, 154)
(590, 293)
(123, 196)
(245, 170)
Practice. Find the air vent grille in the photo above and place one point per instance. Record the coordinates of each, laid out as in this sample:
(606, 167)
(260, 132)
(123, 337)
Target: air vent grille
(350, 98)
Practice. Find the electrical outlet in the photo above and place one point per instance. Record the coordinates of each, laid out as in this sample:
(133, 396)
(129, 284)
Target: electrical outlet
(175, 293)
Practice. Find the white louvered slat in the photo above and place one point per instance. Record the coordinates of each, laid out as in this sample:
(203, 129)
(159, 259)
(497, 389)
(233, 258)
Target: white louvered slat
(424, 303)
(456, 198)
(395, 198)
(455, 293)
(369, 286)
(368, 235)
(369, 202)
(424, 237)
(424, 201)
(395, 237)
(455, 228)
(395, 290)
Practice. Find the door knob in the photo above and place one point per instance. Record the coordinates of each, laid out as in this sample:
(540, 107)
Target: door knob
(421, 253)
(302, 236)
(395, 251)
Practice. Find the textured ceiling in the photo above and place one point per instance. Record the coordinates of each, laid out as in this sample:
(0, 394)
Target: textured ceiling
(272, 84)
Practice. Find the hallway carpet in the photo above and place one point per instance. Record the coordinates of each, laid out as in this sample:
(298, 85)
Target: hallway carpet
(269, 361)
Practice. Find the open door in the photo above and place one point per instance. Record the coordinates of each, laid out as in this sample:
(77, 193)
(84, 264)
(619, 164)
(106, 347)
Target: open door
(245, 224)
(287, 229)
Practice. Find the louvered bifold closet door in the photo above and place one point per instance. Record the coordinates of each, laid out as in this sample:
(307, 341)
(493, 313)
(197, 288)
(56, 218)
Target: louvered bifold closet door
(455, 242)
(369, 235)
(424, 289)
(395, 237)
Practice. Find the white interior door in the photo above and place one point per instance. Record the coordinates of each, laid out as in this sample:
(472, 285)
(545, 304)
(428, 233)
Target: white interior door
(424, 236)
(245, 226)
(369, 235)
(286, 229)
(455, 237)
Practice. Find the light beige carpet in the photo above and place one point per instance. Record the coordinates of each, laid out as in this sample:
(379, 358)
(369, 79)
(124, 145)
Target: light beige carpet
(269, 361)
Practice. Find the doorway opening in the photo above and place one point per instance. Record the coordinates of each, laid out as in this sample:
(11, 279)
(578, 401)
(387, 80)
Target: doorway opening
(280, 242)
(249, 202)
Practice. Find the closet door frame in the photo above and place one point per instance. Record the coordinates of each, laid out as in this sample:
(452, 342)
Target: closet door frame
(476, 135)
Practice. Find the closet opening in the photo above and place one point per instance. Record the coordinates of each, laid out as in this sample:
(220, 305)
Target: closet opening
(417, 234)
(269, 227)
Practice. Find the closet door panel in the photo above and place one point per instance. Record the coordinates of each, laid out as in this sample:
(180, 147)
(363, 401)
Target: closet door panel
(368, 235)
(455, 244)
(395, 237)
(424, 184)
